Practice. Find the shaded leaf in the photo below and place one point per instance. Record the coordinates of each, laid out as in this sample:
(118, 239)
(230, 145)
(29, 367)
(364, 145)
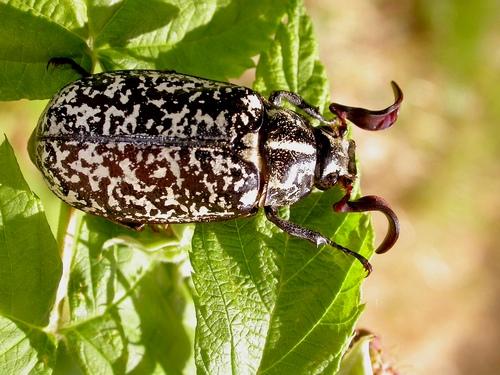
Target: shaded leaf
(126, 310)
(32, 34)
(214, 39)
(25, 349)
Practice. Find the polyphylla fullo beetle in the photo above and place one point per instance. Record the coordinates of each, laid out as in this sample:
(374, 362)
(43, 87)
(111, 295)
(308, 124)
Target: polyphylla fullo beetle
(147, 147)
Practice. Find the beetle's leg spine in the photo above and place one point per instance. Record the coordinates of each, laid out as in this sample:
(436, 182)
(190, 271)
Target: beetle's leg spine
(58, 61)
(312, 236)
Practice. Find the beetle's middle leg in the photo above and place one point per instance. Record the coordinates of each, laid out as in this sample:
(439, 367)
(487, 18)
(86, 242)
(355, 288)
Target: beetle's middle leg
(314, 237)
(59, 61)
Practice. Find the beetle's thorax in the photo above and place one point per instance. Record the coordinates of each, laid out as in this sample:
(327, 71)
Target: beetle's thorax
(336, 159)
(289, 153)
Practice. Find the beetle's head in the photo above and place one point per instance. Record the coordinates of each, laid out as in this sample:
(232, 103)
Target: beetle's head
(335, 161)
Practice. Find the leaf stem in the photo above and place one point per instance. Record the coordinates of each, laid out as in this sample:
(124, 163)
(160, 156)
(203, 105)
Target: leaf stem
(65, 212)
(67, 226)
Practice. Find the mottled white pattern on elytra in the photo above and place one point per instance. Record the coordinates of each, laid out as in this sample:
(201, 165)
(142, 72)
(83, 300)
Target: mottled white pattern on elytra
(107, 177)
(244, 118)
(195, 96)
(72, 197)
(54, 127)
(124, 97)
(83, 114)
(149, 124)
(237, 185)
(158, 102)
(205, 118)
(174, 164)
(101, 171)
(61, 156)
(193, 161)
(220, 121)
(129, 176)
(249, 197)
(251, 153)
(131, 120)
(111, 111)
(160, 172)
(176, 119)
(68, 97)
(252, 102)
(116, 85)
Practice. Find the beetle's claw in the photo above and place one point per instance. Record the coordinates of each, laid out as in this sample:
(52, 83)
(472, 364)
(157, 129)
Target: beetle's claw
(365, 262)
(374, 203)
(368, 119)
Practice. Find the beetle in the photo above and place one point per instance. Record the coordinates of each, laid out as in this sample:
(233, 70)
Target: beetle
(152, 147)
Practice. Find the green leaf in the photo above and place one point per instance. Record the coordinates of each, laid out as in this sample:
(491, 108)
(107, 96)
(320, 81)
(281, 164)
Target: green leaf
(291, 63)
(30, 269)
(25, 349)
(235, 280)
(30, 34)
(268, 303)
(125, 310)
(212, 38)
(30, 266)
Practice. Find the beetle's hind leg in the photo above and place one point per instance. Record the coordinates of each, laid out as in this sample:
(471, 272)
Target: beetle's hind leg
(314, 237)
(299, 102)
(59, 61)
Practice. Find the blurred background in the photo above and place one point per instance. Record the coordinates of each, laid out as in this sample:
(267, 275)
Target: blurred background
(434, 299)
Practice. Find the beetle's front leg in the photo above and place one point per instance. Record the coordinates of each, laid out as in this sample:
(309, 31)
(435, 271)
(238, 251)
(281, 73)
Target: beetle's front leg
(314, 237)
(299, 102)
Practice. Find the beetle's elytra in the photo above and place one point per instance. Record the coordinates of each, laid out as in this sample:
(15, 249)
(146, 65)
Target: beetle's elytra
(143, 147)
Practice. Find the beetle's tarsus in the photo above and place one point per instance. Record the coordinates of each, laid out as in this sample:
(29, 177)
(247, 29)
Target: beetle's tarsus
(59, 61)
(369, 119)
(312, 236)
(373, 203)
